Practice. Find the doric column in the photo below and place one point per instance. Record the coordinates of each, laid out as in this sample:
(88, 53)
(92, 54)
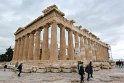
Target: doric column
(90, 52)
(107, 53)
(26, 47)
(86, 47)
(76, 40)
(82, 48)
(94, 51)
(45, 48)
(99, 52)
(70, 46)
(15, 50)
(20, 49)
(37, 46)
(31, 46)
(24, 50)
(53, 45)
(62, 54)
(103, 53)
(76, 46)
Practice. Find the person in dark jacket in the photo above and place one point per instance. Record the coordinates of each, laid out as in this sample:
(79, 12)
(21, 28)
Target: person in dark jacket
(81, 72)
(79, 62)
(5, 67)
(20, 69)
(89, 70)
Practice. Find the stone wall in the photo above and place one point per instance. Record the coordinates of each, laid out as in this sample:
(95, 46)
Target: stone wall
(61, 66)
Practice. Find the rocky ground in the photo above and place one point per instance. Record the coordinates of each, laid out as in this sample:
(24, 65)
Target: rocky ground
(115, 75)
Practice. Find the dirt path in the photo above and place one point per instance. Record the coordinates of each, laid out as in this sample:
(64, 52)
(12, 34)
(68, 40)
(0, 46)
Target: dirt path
(104, 76)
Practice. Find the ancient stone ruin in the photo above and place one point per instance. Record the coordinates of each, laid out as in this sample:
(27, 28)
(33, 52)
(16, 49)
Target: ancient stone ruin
(45, 53)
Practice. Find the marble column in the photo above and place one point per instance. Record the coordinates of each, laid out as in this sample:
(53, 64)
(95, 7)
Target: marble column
(96, 52)
(26, 47)
(62, 43)
(37, 46)
(70, 45)
(93, 50)
(24, 50)
(31, 46)
(90, 53)
(45, 48)
(86, 48)
(81, 48)
(76, 46)
(99, 52)
(107, 53)
(20, 49)
(104, 54)
(15, 50)
(54, 45)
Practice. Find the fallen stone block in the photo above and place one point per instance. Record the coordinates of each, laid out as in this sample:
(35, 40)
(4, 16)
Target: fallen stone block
(66, 70)
(41, 70)
(55, 70)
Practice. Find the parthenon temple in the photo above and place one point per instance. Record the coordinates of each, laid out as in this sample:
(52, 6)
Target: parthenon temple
(52, 37)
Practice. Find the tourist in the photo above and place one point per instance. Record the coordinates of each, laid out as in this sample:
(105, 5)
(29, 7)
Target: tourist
(79, 62)
(81, 72)
(5, 67)
(89, 70)
(122, 63)
(20, 69)
(119, 64)
(16, 66)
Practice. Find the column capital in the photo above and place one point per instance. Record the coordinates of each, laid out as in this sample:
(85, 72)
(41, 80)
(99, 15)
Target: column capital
(61, 25)
(80, 35)
(53, 21)
(33, 32)
(75, 33)
(68, 29)
(47, 25)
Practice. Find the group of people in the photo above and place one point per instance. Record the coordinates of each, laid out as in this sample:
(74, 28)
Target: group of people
(88, 69)
(120, 64)
(18, 67)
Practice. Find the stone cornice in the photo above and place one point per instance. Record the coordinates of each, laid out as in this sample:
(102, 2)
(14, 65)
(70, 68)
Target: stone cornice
(52, 8)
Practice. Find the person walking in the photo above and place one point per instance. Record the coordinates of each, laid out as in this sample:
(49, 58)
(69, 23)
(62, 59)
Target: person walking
(16, 66)
(5, 67)
(79, 62)
(20, 69)
(81, 72)
(89, 70)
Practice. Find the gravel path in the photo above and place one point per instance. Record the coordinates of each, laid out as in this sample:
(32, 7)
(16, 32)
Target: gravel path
(115, 75)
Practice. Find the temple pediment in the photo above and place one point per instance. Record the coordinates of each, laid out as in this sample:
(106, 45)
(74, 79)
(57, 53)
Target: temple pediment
(18, 30)
(52, 8)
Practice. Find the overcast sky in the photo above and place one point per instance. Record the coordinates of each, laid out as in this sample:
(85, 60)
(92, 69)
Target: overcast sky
(105, 18)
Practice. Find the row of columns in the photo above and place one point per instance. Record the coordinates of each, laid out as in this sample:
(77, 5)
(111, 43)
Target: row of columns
(28, 46)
